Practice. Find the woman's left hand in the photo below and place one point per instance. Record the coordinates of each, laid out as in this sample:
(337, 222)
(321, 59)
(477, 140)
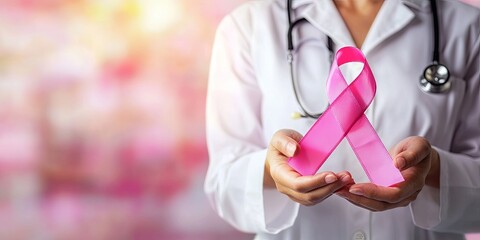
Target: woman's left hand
(419, 165)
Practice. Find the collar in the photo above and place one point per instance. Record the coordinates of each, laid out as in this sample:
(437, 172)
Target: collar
(296, 3)
(417, 4)
(392, 17)
(421, 5)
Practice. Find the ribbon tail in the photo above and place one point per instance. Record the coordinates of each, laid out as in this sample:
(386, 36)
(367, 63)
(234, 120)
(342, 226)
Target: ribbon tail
(372, 154)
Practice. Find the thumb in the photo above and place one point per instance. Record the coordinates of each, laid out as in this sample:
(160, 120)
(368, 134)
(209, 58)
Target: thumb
(413, 150)
(286, 142)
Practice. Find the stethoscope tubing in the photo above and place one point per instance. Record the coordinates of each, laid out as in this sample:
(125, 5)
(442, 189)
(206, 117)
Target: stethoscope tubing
(435, 78)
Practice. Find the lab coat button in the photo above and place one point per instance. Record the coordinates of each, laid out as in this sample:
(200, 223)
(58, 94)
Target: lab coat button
(359, 235)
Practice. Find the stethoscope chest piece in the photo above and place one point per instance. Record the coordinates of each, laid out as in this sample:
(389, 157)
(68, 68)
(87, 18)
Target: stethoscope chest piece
(435, 79)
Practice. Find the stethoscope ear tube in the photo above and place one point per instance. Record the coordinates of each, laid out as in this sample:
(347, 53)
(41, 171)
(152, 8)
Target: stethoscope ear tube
(436, 76)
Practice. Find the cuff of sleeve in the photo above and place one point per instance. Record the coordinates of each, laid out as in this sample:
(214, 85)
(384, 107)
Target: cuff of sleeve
(427, 208)
(272, 210)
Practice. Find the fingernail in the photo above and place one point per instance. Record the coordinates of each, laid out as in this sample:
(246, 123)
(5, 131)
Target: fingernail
(356, 191)
(291, 147)
(330, 178)
(400, 162)
(345, 178)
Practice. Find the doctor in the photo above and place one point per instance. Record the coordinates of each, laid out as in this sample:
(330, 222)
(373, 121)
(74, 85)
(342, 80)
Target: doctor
(433, 134)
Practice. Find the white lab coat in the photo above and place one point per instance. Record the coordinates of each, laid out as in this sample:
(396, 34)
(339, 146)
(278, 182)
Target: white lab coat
(250, 97)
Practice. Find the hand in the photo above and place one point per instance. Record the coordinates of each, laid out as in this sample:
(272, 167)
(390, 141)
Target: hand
(418, 163)
(306, 190)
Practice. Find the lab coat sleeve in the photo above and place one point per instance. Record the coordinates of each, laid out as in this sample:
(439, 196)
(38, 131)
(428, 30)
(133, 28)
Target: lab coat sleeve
(236, 144)
(455, 206)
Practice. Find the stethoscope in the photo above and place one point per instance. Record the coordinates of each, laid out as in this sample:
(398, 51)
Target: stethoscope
(435, 78)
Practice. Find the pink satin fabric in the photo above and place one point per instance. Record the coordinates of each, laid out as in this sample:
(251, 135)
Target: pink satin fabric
(345, 118)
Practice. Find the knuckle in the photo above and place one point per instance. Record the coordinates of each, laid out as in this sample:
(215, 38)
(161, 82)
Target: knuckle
(278, 133)
(404, 204)
(281, 134)
(310, 198)
(292, 198)
(298, 187)
(291, 133)
(396, 197)
(277, 139)
(282, 190)
(300, 200)
(425, 142)
(310, 201)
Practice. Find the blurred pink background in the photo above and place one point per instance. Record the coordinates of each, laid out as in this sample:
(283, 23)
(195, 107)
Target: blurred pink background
(102, 119)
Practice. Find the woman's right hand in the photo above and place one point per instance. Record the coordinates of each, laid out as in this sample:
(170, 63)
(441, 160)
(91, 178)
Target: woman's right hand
(306, 190)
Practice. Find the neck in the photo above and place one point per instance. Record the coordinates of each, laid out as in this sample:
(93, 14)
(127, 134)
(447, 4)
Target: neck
(358, 16)
(358, 5)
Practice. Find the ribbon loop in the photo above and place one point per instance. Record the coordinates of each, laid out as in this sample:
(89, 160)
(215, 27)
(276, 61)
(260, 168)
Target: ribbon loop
(345, 118)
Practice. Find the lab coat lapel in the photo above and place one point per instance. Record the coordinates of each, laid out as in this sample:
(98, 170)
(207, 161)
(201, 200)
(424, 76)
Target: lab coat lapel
(392, 17)
(298, 3)
(324, 15)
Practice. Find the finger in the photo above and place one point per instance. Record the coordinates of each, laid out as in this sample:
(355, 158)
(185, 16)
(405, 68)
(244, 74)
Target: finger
(413, 151)
(399, 147)
(378, 193)
(293, 134)
(375, 205)
(342, 179)
(386, 194)
(304, 184)
(286, 142)
(347, 196)
(319, 194)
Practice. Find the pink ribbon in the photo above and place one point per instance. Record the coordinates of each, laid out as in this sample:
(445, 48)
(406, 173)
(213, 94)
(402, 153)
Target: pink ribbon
(345, 117)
